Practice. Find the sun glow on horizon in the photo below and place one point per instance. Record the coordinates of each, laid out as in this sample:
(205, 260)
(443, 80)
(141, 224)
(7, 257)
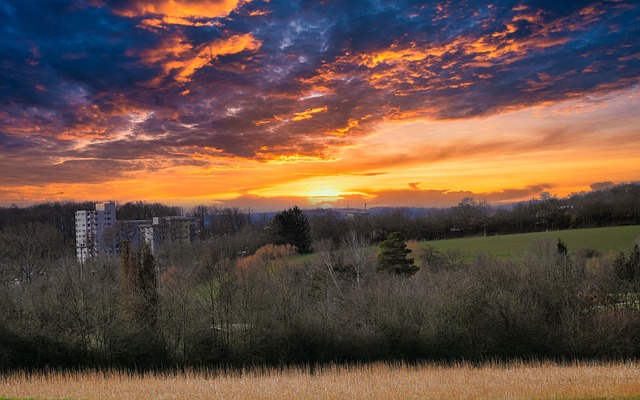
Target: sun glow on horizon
(325, 193)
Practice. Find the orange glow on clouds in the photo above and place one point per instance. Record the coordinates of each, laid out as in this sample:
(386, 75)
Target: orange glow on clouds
(208, 53)
(177, 54)
(181, 8)
(308, 113)
(571, 144)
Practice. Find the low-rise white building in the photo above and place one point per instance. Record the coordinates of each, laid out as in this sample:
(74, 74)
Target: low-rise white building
(98, 232)
(168, 229)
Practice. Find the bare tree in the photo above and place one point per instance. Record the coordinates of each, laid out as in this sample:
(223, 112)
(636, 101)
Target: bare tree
(27, 250)
(329, 259)
(358, 255)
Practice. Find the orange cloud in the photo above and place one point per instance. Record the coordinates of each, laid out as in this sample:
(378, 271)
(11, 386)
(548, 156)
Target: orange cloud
(172, 47)
(392, 56)
(176, 54)
(211, 51)
(486, 49)
(308, 113)
(396, 54)
(531, 18)
(167, 20)
(259, 13)
(352, 124)
(180, 9)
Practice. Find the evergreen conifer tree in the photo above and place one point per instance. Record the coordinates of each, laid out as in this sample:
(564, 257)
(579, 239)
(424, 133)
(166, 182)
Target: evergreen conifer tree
(393, 256)
(291, 227)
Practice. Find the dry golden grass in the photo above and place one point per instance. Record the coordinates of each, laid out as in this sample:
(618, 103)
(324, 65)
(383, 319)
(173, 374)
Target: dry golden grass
(374, 381)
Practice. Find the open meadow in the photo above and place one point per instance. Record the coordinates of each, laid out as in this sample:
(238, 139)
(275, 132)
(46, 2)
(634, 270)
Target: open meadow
(367, 381)
(605, 240)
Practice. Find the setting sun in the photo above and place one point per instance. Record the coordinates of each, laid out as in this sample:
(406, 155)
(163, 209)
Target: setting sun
(323, 194)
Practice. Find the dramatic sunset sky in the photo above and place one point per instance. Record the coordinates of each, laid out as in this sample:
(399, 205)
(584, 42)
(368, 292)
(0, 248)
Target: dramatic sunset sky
(268, 104)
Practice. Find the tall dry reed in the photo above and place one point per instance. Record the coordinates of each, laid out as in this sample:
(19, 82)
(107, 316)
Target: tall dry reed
(369, 381)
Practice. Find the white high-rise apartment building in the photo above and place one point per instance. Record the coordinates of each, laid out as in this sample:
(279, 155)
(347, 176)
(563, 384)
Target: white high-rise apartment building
(85, 234)
(91, 227)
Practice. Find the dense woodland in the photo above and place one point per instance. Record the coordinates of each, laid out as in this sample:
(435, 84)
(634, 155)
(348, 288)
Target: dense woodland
(241, 295)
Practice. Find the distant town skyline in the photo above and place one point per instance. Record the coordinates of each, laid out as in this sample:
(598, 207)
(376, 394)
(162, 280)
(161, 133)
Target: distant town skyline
(270, 104)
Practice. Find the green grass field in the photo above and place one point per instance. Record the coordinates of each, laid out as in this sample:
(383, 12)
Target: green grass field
(606, 240)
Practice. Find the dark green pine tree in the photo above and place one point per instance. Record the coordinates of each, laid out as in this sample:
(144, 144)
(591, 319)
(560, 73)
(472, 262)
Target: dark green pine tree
(291, 227)
(393, 256)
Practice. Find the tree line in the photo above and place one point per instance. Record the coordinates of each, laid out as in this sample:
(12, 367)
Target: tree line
(614, 206)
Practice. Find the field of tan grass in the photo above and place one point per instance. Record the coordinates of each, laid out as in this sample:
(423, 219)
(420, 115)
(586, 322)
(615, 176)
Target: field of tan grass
(373, 381)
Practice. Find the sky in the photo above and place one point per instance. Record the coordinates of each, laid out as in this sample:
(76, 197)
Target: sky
(270, 104)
